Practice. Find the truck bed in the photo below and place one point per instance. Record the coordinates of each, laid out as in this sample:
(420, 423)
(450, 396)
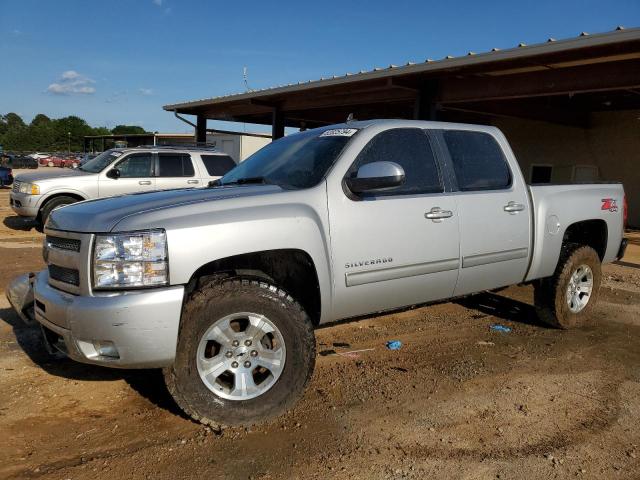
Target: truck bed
(557, 206)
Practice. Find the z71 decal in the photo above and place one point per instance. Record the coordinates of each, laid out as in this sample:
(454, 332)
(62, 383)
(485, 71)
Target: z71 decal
(609, 204)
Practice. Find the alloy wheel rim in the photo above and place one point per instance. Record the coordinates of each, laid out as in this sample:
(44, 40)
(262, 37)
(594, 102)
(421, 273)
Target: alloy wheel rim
(241, 356)
(580, 288)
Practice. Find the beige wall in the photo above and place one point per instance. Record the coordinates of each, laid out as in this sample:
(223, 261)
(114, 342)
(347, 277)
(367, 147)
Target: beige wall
(611, 143)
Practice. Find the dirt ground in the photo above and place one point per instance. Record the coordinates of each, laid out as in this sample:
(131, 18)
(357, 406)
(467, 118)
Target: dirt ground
(457, 401)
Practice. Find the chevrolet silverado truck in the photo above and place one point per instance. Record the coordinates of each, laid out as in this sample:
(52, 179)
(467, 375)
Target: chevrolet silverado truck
(116, 172)
(222, 287)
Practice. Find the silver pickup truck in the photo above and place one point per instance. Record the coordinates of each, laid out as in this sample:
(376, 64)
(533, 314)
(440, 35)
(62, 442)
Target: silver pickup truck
(222, 287)
(116, 172)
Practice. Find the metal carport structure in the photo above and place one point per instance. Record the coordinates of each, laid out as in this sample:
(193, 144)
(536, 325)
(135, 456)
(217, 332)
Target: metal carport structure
(568, 89)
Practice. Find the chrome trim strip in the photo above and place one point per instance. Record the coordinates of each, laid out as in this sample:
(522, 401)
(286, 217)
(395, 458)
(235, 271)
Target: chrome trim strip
(353, 279)
(494, 257)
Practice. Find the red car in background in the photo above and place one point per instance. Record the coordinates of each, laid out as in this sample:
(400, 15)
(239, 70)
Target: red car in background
(62, 162)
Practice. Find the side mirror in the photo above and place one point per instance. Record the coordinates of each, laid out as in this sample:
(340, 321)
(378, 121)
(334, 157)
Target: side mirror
(114, 173)
(376, 176)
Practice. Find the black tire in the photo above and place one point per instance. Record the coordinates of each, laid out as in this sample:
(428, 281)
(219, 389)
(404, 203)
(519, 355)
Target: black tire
(56, 202)
(550, 293)
(221, 297)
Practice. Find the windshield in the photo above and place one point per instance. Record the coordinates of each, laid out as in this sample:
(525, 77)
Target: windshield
(296, 161)
(100, 162)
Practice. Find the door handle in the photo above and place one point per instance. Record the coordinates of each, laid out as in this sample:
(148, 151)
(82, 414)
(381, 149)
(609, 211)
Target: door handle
(513, 207)
(437, 214)
(144, 182)
(193, 181)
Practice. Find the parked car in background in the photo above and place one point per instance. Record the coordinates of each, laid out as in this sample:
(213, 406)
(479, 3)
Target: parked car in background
(39, 156)
(86, 157)
(117, 172)
(223, 287)
(18, 161)
(6, 176)
(44, 161)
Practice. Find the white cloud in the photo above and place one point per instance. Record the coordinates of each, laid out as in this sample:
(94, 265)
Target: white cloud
(72, 83)
(157, 2)
(145, 91)
(70, 75)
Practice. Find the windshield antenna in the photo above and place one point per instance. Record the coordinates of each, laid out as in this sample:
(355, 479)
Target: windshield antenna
(350, 118)
(245, 77)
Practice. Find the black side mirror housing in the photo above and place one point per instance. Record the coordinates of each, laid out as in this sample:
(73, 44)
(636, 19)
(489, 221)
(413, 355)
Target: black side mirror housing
(376, 176)
(114, 173)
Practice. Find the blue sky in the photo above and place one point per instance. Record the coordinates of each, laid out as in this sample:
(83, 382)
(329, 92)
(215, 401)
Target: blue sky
(118, 61)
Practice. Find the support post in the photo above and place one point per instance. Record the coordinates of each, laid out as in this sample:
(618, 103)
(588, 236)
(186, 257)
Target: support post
(277, 124)
(426, 106)
(201, 129)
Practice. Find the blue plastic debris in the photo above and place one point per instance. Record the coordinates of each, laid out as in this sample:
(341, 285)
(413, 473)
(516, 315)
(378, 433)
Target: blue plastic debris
(394, 344)
(500, 328)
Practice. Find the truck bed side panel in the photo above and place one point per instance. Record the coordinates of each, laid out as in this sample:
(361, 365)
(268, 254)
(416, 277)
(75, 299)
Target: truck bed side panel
(556, 207)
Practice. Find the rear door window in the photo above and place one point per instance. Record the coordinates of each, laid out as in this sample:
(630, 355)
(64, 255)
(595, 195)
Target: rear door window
(175, 165)
(217, 165)
(478, 160)
(410, 148)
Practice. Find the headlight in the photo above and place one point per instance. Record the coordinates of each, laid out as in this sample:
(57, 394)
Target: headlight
(30, 188)
(130, 260)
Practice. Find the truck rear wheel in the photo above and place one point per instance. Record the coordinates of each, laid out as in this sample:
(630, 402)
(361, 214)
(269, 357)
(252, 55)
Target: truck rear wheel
(566, 299)
(245, 353)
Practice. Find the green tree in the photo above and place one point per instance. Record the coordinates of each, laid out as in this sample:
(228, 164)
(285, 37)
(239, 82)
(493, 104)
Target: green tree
(46, 134)
(127, 130)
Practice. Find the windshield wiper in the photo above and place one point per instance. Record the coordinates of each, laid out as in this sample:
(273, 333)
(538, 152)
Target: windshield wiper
(247, 180)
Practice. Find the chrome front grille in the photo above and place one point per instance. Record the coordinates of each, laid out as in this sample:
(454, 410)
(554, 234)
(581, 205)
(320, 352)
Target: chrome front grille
(68, 259)
(16, 186)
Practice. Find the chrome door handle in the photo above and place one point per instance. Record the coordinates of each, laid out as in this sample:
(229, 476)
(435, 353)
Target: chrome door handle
(144, 182)
(193, 181)
(437, 214)
(513, 207)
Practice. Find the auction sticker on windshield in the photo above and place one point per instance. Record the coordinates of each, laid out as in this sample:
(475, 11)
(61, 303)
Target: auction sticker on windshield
(339, 132)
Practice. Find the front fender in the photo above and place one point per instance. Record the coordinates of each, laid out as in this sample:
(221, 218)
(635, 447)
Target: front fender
(60, 191)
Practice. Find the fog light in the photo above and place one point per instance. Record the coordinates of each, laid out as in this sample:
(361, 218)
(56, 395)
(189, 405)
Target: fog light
(106, 349)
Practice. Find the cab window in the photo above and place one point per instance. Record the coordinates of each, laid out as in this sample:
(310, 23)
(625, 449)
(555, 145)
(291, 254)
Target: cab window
(410, 148)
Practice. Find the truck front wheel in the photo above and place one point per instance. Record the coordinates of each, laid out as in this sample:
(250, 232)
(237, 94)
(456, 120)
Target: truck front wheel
(566, 299)
(245, 353)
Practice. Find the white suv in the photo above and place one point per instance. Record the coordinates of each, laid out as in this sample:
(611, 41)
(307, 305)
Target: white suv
(116, 172)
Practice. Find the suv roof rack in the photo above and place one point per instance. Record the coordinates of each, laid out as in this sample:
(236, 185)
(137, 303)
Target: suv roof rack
(181, 146)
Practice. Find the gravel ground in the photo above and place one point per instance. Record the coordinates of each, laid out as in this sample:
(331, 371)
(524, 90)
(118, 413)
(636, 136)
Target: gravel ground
(457, 401)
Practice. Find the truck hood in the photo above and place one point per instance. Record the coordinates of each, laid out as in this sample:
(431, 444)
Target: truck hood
(102, 215)
(41, 175)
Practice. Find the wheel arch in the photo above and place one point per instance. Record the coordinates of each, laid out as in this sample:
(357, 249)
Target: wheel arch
(291, 269)
(592, 233)
(55, 195)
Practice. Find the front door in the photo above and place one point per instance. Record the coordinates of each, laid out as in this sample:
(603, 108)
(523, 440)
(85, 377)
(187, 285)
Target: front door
(136, 175)
(399, 247)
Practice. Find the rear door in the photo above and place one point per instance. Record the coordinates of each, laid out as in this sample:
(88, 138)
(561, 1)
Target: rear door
(136, 175)
(494, 210)
(398, 247)
(175, 170)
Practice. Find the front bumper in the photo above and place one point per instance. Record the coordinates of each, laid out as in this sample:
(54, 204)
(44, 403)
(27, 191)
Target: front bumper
(24, 205)
(20, 296)
(142, 325)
